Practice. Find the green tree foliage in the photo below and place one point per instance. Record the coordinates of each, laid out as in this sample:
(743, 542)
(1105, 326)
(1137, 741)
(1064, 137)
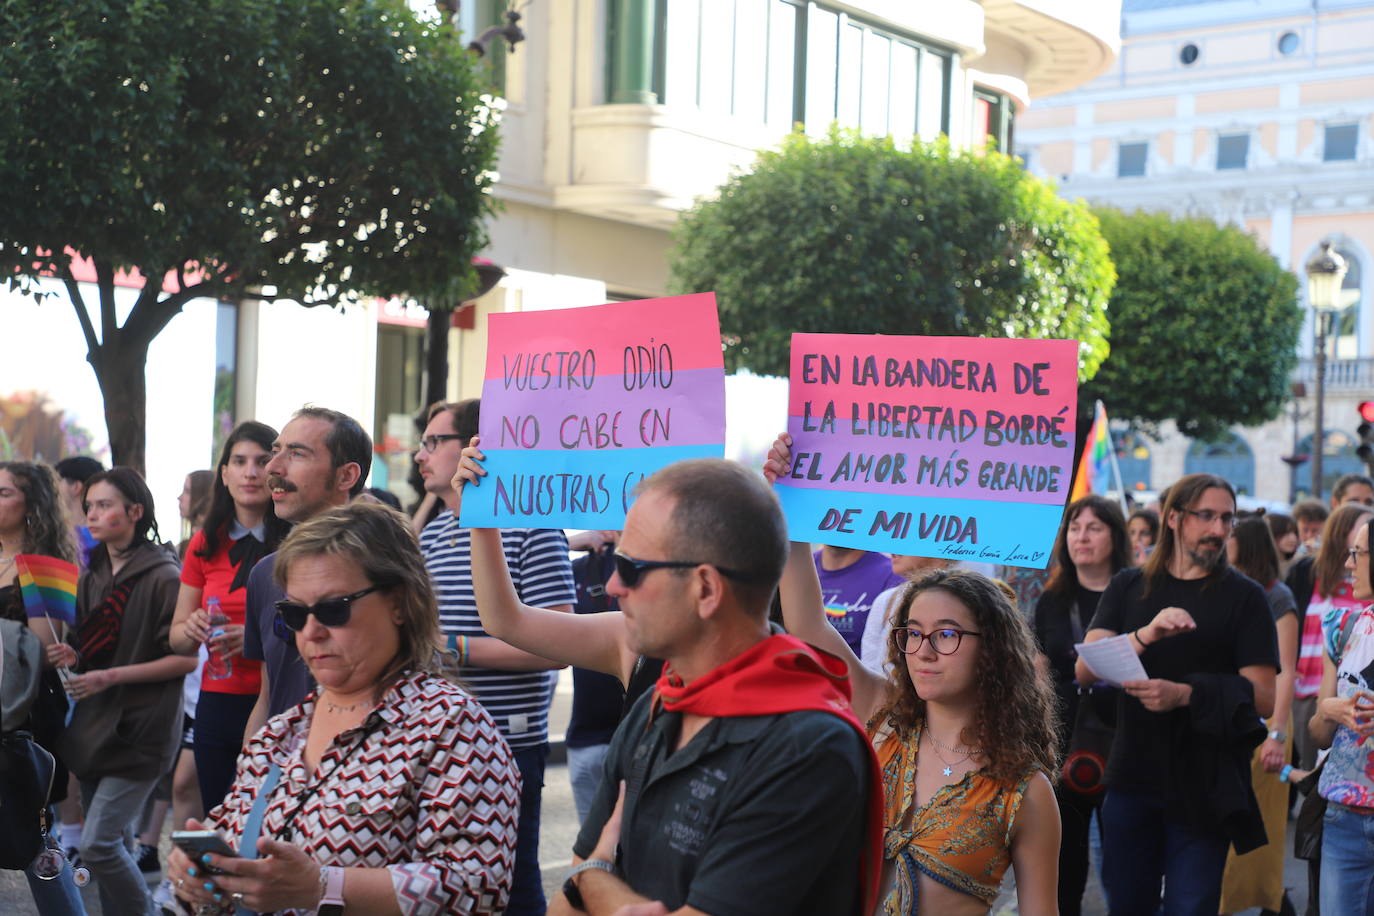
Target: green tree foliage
(1204, 326)
(853, 235)
(315, 149)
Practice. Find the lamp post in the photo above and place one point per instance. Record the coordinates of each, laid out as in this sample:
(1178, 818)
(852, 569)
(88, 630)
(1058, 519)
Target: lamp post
(1325, 273)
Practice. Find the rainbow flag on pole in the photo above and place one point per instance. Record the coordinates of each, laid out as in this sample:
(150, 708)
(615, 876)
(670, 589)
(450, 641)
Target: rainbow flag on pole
(1094, 468)
(48, 586)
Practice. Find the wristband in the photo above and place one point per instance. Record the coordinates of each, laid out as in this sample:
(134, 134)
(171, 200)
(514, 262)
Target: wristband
(463, 650)
(1283, 773)
(1136, 634)
(331, 891)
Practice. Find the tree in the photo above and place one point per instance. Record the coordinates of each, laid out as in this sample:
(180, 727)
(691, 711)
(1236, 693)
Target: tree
(1204, 326)
(315, 150)
(853, 235)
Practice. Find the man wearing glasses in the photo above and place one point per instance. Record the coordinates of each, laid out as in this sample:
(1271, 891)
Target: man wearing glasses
(511, 683)
(742, 784)
(1178, 777)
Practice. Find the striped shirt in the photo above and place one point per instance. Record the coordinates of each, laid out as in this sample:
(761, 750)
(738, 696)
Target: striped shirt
(542, 573)
(1323, 612)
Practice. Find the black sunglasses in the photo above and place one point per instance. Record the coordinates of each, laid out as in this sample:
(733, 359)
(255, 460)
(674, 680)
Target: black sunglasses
(631, 570)
(331, 612)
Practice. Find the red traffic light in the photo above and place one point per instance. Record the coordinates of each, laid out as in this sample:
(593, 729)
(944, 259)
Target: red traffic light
(1367, 411)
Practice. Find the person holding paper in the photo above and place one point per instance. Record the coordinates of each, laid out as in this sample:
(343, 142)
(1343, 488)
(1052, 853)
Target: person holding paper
(1178, 778)
(511, 683)
(964, 728)
(851, 582)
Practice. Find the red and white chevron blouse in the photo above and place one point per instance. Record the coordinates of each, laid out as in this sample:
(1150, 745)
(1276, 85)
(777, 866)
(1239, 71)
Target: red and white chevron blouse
(425, 788)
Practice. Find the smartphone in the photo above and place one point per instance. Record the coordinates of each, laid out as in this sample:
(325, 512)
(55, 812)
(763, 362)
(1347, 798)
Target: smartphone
(196, 843)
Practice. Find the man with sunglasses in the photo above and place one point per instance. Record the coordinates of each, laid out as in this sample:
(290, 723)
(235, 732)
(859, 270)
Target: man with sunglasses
(743, 783)
(512, 684)
(319, 461)
(1178, 776)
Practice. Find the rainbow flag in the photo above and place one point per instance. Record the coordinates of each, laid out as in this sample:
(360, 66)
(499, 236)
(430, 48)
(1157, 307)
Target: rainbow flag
(48, 585)
(1094, 468)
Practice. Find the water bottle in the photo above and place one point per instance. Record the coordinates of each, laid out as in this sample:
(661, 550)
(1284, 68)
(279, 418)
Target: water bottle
(217, 667)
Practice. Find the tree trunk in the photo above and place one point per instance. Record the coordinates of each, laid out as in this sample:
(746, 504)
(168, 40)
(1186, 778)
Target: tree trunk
(436, 356)
(120, 365)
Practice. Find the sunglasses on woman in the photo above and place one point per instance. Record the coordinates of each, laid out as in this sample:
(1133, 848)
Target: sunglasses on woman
(331, 612)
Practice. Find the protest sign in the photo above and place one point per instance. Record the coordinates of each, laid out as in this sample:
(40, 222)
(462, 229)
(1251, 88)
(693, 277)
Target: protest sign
(579, 405)
(955, 447)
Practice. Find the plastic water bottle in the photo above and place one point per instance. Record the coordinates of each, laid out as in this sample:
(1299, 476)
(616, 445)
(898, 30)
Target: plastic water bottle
(217, 667)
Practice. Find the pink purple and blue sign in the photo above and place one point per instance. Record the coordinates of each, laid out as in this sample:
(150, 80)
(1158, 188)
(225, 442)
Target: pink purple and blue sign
(955, 447)
(579, 405)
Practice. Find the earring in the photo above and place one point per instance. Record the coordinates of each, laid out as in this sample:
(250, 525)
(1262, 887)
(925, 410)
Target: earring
(30, 521)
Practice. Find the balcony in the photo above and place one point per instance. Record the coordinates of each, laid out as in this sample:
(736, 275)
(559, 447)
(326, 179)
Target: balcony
(1348, 375)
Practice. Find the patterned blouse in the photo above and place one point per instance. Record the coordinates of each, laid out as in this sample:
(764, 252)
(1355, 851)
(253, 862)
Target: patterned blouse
(961, 837)
(425, 787)
(1348, 777)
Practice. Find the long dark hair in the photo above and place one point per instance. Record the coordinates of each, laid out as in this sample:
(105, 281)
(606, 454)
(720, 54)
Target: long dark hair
(1328, 569)
(1064, 579)
(1015, 709)
(46, 531)
(1256, 554)
(134, 489)
(1182, 494)
(222, 504)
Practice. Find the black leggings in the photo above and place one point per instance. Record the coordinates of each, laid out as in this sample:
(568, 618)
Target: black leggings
(220, 721)
(1075, 818)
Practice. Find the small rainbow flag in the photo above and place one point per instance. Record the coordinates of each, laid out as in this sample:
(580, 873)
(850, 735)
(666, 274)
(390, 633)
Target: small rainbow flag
(1094, 468)
(48, 585)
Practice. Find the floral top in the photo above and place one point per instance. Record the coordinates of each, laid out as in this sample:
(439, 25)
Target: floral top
(425, 787)
(961, 836)
(1348, 777)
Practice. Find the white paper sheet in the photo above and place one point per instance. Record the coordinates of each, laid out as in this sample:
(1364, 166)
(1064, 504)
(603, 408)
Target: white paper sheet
(1113, 660)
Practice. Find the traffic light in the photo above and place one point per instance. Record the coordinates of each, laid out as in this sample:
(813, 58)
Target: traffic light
(1365, 450)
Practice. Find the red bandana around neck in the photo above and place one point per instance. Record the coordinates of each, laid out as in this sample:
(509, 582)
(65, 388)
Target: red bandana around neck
(783, 674)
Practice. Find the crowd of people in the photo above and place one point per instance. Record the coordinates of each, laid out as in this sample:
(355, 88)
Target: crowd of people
(346, 707)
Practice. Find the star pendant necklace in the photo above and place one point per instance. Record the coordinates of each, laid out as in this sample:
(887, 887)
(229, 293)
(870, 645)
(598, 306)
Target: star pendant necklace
(935, 745)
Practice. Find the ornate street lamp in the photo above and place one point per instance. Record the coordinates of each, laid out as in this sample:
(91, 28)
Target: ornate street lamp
(1325, 273)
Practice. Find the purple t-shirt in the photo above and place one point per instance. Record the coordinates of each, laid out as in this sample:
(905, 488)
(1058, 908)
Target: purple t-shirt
(849, 593)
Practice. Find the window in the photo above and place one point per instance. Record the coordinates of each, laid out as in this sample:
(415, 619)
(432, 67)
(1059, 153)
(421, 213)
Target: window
(1345, 324)
(226, 373)
(1341, 142)
(787, 61)
(1188, 55)
(1289, 43)
(993, 115)
(1130, 159)
(1232, 151)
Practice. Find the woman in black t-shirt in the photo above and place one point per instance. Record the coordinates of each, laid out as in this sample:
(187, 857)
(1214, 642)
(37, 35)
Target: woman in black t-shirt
(1092, 546)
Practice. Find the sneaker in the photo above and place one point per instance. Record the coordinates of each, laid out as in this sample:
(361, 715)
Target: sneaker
(165, 898)
(147, 859)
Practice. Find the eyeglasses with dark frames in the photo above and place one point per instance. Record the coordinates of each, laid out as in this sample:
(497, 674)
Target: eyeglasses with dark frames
(631, 570)
(331, 612)
(1207, 516)
(430, 443)
(1355, 553)
(945, 641)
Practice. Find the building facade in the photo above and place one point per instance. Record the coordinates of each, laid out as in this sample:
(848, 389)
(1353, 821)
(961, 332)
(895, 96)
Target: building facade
(616, 116)
(1256, 113)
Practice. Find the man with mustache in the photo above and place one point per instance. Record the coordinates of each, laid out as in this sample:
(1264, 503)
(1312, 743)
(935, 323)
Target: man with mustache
(319, 461)
(1178, 777)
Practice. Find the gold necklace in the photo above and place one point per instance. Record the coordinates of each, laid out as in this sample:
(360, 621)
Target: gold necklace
(335, 707)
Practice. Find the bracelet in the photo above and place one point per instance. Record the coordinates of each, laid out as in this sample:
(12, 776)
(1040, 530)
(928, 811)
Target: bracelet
(1283, 774)
(463, 650)
(1136, 634)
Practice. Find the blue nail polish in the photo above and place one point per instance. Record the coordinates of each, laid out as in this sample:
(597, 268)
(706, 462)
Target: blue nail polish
(219, 896)
(208, 886)
(205, 858)
(191, 872)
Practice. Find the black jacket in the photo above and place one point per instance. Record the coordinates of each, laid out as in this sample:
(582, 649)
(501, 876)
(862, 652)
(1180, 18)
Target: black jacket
(1214, 743)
